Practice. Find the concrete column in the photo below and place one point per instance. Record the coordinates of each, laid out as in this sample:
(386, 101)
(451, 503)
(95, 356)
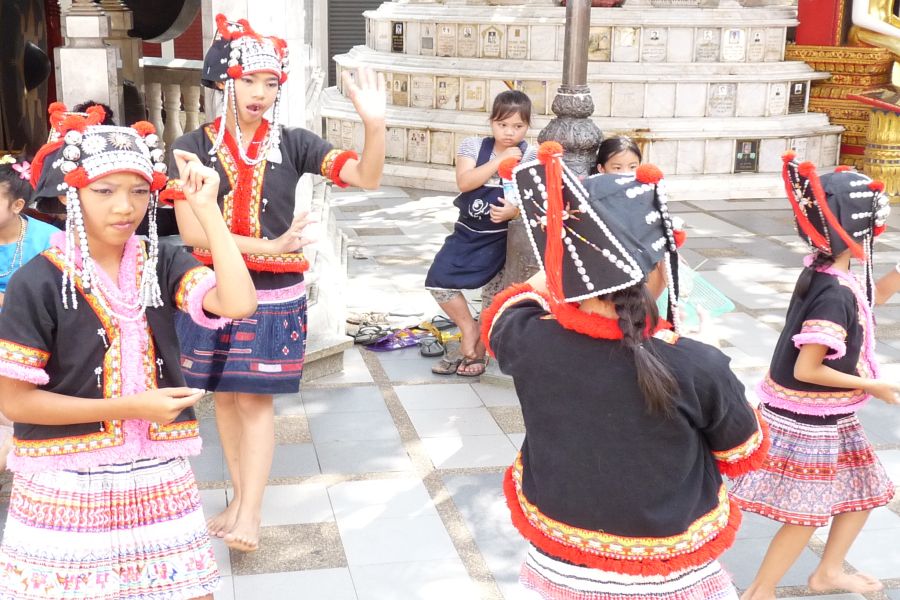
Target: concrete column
(87, 68)
(121, 21)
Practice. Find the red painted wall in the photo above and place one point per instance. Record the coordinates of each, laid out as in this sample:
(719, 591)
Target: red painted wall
(188, 45)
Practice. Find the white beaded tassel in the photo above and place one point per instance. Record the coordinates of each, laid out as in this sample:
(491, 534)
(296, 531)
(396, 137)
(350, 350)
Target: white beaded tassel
(272, 152)
(151, 295)
(220, 134)
(68, 276)
(261, 154)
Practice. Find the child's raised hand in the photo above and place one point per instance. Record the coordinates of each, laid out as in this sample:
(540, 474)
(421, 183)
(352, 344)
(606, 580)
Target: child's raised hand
(511, 152)
(292, 239)
(367, 94)
(199, 183)
(163, 405)
(506, 212)
(885, 391)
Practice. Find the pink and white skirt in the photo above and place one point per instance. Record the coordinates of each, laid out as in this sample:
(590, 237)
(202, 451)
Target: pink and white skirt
(132, 531)
(557, 580)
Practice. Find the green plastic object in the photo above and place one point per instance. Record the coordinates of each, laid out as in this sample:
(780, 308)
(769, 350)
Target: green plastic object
(696, 292)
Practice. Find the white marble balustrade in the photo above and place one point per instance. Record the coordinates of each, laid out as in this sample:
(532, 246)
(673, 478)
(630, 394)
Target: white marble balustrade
(173, 93)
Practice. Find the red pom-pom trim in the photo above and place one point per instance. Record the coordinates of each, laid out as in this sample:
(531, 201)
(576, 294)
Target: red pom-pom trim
(96, 114)
(877, 186)
(235, 72)
(506, 167)
(789, 156)
(842, 168)
(282, 78)
(340, 160)
(879, 229)
(222, 27)
(144, 128)
(159, 181)
(37, 165)
(488, 315)
(806, 169)
(680, 237)
(56, 107)
(548, 150)
(72, 123)
(77, 178)
(648, 174)
(756, 459)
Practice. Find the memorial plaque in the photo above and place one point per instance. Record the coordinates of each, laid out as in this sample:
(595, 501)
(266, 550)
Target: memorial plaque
(600, 44)
(467, 45)
(333, 132)
(756, 45)
(474, 92)
(400, 89)
(369, 33)
(734, 45)
(422, 94)
(347, 135)
(722, 98)
(775, 45)
(706, 45)
(625, 45)
(383, 36)
(442, 147)
(801, 147)
(777, 104)
(537, 91)
(446, 39)
(653, 48)
(448, 93)
(492, 41)
(517, 42)
(746, 156)
(426, 39)
(543, 42)
(830, 150)
(397, 40)
(395, 143)
(417, 145)
(797, 97)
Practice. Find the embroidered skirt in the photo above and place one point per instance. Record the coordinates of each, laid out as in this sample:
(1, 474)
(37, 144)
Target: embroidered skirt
(557, 580)
(126, 532)
(814, 471)
(262, 354)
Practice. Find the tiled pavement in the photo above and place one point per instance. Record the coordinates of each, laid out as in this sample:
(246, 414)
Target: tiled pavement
(386, 483)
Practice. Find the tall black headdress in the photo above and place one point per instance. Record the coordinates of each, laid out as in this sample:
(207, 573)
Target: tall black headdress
(837, 211)
(598, 236)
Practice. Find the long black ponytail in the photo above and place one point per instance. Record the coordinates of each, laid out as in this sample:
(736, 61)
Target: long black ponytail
(820, 260)
(636, 308)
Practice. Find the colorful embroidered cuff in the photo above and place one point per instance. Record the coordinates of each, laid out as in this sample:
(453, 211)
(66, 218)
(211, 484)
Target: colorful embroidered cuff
(333, 163)
(171, 193)
(24, 363)
(748, 456)
(826, 333)
(190, 293)
(21, 372)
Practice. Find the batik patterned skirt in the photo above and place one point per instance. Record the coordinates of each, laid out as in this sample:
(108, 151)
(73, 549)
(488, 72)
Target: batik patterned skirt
(262, 354)
(814, 471)
(132, 531)
(557, 580)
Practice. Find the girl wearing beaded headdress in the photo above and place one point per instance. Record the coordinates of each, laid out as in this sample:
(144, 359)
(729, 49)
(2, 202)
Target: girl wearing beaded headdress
(107, 506)
(260, 163)
(629, 428)
(822, 467)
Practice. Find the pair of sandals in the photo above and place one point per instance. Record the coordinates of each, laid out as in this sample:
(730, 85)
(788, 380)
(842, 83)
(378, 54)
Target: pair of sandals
(461, 366)
(435, 344)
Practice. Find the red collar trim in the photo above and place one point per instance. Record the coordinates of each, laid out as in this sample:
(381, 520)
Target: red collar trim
(255, 144)
(571, 317)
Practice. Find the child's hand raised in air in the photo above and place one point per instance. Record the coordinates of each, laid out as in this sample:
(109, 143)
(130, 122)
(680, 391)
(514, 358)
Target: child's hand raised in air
(163, 405)
(367, 93)
(506, 212)
(885, 391)
(199, 183)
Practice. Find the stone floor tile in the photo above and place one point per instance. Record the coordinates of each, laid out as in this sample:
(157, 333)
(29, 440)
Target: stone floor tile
(355, 371)
(703, 225)
(516, 439)
(287, 548)
(509, 418)
(420, 580)
(209, 465)
(368, 456)
(742, 561)
(320, 584)
(223, 558)
(754, 526)
(831, 597)
(396, 540)
(876, 552)
(881, 518)
(294, 460)
(288, 405)
(292, 429)
(452, 422)
(495, 395)
(341, 427)
(294, 504)
(435, 396)
(342, 400)
(893, 594)
(891, 461)
(356, 502)
(460, 452)
(208, 432)
(415, 371)
(213, 501)
(226, 589)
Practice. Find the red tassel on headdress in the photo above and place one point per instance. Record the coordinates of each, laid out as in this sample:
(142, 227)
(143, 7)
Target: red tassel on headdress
(842, 169)
(159, 181)
(879, 229)
(144, 128)
(550, 153)
(95, 114)
(56, 107)
(235, 71)
(648, 174)
(680, 237)
(506, 167)
(808, 170)
(803, 222)
(77, 178)
(37, 165)
(876, 186)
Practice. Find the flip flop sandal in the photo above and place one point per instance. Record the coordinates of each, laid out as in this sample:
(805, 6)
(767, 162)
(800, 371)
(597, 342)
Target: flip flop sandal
(467, 362)
(367, 318)
(431, 347)
(369, 334)
(442, 323)
(447, 366)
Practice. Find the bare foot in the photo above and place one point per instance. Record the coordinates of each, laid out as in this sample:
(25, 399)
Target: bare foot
(855, 583)
(223, 522)
(756, 594)
(244, 536)
(469, 342)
